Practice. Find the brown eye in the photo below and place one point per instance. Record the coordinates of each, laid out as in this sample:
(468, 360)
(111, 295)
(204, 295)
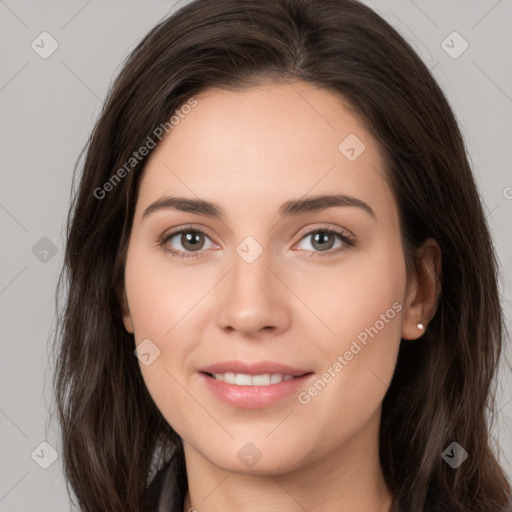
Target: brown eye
(191, 240)
(185, 242)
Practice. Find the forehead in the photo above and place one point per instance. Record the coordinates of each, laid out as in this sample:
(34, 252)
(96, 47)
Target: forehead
(270, 141)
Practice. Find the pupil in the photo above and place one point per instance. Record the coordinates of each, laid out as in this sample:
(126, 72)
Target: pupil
(322, 237)
(191, 240)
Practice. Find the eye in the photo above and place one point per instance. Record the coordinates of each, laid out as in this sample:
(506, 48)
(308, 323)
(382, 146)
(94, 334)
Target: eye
(323, 239)
(193, 240)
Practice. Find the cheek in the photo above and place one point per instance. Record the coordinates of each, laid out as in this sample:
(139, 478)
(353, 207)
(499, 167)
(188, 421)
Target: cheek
(157, 298)
(156, 306)
(369, 319)
(359, 298)
(361, 353)
(164, 304)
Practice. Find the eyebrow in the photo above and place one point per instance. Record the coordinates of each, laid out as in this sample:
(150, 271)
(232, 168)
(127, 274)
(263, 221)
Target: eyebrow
(287, 209)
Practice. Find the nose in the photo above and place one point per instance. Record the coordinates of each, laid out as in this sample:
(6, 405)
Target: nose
(253, 298)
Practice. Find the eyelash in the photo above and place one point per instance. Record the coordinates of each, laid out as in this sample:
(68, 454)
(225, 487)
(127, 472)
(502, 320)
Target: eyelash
(347, 240)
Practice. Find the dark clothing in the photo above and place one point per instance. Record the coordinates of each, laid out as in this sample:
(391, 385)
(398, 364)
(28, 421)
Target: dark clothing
(168, 488)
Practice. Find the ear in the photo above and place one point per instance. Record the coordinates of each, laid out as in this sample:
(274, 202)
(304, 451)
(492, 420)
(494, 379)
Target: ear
(423, 290)
(125, 310)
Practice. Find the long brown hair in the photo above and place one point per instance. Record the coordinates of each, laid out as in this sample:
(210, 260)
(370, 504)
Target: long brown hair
(114, 438)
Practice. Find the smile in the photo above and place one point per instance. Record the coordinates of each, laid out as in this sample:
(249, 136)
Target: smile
(245, 391)
(244, 379)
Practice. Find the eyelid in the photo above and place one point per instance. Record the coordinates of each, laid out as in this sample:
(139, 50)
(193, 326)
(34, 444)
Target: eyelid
(346, 236)
(326, 227)
(187, 227)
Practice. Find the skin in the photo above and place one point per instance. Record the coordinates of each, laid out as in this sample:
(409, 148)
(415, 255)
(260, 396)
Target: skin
(250, 151)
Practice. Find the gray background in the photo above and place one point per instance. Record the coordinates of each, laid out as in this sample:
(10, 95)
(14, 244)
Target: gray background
(48, 108)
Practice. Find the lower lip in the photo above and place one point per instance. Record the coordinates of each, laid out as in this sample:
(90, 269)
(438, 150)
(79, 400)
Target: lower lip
(253, 397)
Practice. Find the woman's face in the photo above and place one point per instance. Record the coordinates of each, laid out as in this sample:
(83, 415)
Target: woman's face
(319, 288)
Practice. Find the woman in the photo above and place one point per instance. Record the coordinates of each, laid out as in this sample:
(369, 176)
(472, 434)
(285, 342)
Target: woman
(282, 291)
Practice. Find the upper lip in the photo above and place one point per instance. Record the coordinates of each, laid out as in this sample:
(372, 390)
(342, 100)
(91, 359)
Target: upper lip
(256, 368)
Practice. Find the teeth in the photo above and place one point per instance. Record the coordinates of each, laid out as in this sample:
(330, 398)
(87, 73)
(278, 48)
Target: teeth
(243, 379)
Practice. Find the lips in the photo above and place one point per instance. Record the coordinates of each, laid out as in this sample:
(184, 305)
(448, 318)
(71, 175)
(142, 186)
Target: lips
(256, 368)
(254, 395)
(253, 385)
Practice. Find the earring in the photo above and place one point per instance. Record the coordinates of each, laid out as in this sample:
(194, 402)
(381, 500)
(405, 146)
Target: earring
(420, 326)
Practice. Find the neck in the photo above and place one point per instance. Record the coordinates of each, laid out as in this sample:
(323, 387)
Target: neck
(349, 478)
